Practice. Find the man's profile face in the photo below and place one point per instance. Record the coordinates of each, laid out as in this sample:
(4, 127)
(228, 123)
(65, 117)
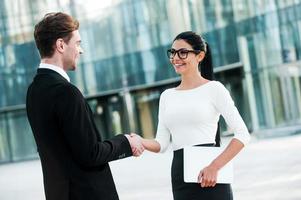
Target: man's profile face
(72, 51)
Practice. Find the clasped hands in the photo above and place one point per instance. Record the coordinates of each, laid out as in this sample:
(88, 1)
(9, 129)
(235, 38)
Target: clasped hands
(136, 144)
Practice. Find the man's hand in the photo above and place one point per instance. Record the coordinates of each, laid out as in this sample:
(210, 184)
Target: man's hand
(136, 144)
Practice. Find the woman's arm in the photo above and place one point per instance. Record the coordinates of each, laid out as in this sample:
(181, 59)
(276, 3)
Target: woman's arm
(225, 105)
(151, 145)
(208, 176)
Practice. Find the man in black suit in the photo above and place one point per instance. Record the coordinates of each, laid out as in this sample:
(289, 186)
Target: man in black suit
(74, 157)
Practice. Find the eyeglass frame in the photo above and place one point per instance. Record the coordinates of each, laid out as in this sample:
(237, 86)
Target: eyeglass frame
(187, 51)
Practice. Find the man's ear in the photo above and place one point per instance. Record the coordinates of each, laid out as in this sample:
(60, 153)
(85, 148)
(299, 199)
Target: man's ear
(201, 56)
(60, 45)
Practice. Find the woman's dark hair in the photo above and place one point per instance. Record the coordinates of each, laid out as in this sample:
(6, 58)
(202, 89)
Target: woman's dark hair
(197, 42)
(52, 27)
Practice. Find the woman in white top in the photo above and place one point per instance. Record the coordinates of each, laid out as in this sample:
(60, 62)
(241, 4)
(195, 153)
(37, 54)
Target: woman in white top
(189, 114)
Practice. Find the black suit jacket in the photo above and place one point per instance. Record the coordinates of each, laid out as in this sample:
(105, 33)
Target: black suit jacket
(74, 158)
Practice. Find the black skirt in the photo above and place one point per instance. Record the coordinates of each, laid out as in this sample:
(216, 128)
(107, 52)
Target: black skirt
(193, 191)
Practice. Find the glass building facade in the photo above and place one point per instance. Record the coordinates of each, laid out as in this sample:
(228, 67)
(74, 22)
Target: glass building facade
(256, 46)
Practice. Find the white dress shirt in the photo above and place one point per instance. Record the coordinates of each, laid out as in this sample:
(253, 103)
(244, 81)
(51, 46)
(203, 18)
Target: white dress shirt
(56, 69)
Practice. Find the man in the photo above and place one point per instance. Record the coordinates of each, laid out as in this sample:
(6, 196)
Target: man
(74, 158)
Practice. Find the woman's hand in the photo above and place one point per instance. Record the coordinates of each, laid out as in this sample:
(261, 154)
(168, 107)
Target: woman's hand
(208, 176)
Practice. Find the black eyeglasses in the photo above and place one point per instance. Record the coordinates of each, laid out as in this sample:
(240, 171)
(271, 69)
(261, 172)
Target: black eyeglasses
(182, 53)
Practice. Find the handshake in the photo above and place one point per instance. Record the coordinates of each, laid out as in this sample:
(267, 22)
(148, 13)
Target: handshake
(136, 143)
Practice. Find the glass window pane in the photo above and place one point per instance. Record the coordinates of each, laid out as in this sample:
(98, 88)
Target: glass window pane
(22, 141)
(4, 142)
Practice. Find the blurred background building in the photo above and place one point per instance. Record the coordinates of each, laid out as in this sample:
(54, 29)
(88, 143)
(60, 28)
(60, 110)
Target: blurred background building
(256, 47)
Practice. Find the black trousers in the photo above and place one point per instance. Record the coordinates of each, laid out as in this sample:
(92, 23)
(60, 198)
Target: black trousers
(193, 191)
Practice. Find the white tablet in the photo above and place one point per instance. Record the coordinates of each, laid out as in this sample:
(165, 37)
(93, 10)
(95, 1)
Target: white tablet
(198, 157)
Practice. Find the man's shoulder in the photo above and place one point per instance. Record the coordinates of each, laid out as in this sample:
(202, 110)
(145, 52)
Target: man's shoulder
(53, 80)
(69, 89)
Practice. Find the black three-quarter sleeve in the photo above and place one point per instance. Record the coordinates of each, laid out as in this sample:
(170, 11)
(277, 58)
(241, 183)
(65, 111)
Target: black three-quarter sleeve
(77, 125)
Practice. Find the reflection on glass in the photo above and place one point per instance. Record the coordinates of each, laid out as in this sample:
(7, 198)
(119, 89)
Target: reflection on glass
(22, 141)
(125, 46)
(4, 142)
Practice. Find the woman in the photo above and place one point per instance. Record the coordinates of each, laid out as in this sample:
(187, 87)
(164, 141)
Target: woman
(189, 114)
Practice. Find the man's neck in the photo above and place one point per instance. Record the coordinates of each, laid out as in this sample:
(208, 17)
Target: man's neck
(53, 61)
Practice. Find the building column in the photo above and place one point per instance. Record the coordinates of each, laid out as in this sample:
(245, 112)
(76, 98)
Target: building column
(244, 57)
(265, 83)
(129, 105)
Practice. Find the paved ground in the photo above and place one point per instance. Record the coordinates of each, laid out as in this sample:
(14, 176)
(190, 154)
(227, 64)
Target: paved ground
(268, 169)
